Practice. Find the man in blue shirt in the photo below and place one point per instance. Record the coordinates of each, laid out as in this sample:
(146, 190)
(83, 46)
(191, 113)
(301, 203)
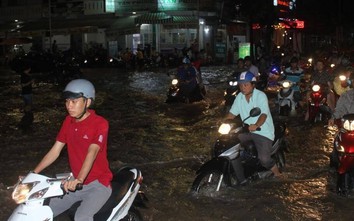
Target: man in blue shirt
(249, 98)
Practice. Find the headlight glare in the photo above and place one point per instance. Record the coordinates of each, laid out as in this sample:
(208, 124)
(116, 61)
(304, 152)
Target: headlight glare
(348, 125)
(21, 191)
(286, 84)
(316, 87)
(224, 129)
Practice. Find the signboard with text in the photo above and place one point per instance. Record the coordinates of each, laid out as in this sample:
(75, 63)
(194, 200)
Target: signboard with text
(162, 5)
(244, 50)
(220, 50)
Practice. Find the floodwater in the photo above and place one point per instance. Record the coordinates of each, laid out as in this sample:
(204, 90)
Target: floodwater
(169, 142)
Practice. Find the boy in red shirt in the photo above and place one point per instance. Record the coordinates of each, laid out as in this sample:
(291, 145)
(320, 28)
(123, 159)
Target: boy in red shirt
(85, 135)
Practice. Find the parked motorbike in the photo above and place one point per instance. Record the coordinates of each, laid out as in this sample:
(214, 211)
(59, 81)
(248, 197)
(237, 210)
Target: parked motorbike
(342, 158)
(33, 191)
(175, 94)
(316, 101)
(116, 62)
(66, 71)
(40, 62)
(218, 172)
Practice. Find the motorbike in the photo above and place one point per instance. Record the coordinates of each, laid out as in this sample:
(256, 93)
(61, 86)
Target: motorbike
(175, 94)
(316, 101)
(66, 71)
(33, 191)
(262, 81)
(342, 158)
(287, 99)
(218, 172)
(230, 94)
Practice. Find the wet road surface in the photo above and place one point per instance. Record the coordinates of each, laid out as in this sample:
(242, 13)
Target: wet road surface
(168, 143)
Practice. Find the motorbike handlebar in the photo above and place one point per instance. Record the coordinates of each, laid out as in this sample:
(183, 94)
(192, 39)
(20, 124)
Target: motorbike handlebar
(79, 186)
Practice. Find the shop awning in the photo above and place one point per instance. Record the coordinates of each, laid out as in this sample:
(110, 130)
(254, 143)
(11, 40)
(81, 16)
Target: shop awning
(123, 26)
(15, 41)
(65, 26)
(182, 22)
(154, 18)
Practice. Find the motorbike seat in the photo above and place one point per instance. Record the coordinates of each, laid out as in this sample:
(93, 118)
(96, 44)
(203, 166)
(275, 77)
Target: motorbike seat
(120, 185)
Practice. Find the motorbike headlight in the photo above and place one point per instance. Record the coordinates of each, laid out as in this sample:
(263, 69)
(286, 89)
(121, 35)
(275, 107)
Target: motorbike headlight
(286, 84)
(342, 77)
(174, 82)
(348, 125)
(224, 129)
(233, 83)
(21, 192)
(316, 87)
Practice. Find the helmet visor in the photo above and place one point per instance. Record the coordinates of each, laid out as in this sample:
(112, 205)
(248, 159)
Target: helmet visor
(71, 95)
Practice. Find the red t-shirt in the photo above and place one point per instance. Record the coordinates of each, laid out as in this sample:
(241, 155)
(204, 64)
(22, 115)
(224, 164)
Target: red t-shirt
(78, 136)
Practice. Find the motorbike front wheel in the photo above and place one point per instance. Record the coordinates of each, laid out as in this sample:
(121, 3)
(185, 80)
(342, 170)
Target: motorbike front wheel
(208, 183)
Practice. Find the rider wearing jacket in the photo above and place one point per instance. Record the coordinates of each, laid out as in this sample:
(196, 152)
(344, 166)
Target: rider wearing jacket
(249, 98)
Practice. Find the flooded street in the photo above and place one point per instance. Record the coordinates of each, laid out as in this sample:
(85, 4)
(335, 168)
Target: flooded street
(169, 142)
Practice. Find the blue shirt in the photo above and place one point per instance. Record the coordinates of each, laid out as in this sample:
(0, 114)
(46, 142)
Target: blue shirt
(258, 99)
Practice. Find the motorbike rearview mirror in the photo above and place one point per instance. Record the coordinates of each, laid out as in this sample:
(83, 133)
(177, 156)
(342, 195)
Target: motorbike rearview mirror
(255, 112)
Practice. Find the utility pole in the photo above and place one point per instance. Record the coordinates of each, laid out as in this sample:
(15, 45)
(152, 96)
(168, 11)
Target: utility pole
(50, 24)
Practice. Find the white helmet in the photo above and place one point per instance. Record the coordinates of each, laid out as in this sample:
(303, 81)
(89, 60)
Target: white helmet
(79, 88)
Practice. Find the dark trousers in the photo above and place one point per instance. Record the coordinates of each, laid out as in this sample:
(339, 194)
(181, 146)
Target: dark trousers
(263, 146)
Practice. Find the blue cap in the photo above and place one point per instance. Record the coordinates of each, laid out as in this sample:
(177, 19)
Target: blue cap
(246, 76)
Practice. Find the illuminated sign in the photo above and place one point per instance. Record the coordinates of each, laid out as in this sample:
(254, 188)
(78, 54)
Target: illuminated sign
(166, 5)
(110, 7)
(291, 23)
(285, 24)
(244, 50)
(135, 5)
(162, 5)
(285, 4)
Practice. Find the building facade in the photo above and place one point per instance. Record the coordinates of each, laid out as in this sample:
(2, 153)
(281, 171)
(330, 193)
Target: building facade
(115, 24)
